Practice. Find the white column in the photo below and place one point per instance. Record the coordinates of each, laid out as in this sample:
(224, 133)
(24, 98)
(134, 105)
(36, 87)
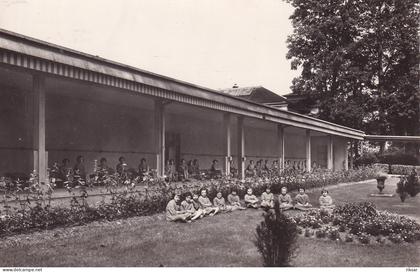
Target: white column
(227, 129)
(280, 145)
(241, 148)
(308, 150)
(160, 137)
(330, 153)
(40, 157)
(346, 156)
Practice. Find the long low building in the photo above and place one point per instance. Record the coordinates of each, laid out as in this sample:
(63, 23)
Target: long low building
(58, 103)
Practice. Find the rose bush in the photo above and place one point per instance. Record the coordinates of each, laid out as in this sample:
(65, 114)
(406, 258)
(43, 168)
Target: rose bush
(28, 206)
(361, 220)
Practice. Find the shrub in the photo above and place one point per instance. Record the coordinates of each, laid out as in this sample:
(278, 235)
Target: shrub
(366, 159)
(398, 169)
(396, 238)
(321, 233)
(398, 158)
(309, 232)
(383, 167)
(361, 219)
(360, 210)
(408, 185)
(342, 228)
(34, 198)
(348, 238)
(413, 184)
(276, 237)
(334, 235)
(364, 238)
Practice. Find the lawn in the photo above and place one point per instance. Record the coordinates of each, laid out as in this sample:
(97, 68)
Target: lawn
(223, 240)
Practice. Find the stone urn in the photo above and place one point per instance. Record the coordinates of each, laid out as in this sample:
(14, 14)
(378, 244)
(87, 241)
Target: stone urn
(380, 179)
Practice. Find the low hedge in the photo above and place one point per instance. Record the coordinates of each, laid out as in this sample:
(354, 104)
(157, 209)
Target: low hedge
(384, 167)
(34, 211)
(398, 169)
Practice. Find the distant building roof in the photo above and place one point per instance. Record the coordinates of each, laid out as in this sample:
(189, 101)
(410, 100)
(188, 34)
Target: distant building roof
(302, 104)
(257, 94)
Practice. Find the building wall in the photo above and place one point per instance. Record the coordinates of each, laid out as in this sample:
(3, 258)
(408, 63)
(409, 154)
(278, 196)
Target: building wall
(200, 137)
(95, 130)
(16, 124)
(319, 145)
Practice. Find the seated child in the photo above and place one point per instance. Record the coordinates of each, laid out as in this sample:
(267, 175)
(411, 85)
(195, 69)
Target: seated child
(285, 200)
(251, 201)
(197, 204)
(325, 201)
(206, 204)
(219, 201)
(267, 199)
(233, 200)
(302, 200)
(174, 213)
(188, 206)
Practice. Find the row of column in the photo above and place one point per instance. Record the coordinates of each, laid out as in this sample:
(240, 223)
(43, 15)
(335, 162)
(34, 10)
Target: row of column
(241, 158)
(40, 154)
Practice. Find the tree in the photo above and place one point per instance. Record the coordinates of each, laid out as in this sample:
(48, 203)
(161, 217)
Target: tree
(360, 59)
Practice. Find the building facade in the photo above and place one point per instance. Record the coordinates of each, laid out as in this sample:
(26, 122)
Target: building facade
(58, 103)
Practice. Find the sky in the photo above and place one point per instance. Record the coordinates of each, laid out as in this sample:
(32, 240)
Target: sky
(212, 43)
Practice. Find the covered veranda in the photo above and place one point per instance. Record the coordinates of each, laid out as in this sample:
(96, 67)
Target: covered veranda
(57, 103)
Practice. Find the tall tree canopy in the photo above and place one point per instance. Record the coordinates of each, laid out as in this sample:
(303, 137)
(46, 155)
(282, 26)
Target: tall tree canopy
(360, 59)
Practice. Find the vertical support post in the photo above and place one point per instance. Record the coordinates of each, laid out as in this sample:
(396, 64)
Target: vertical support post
(160, 137)
(227, 130)
(241, 147)
(280, 145)
(40, 156)
(308, 150)
(330, 152)
(346, 156)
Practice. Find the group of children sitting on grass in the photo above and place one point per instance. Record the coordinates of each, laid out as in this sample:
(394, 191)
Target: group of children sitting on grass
(195, 206)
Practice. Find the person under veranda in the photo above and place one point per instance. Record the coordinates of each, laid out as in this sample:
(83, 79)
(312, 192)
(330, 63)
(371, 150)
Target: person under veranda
(215, 171)
(170, 170)
(79, 168)
(174, 212)
(143, 168)
(66, 172)
(121, 166)
(183, 170)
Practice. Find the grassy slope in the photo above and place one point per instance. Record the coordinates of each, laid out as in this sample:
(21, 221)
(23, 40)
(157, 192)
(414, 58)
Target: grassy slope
(223, 240)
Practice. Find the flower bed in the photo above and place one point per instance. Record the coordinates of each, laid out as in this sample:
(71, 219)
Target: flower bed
(34, 210)
(359, 222)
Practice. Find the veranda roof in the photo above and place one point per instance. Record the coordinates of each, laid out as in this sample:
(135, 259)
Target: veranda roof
(31, 54)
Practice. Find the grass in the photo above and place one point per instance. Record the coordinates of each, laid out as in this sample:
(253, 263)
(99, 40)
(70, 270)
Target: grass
(222, 240)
